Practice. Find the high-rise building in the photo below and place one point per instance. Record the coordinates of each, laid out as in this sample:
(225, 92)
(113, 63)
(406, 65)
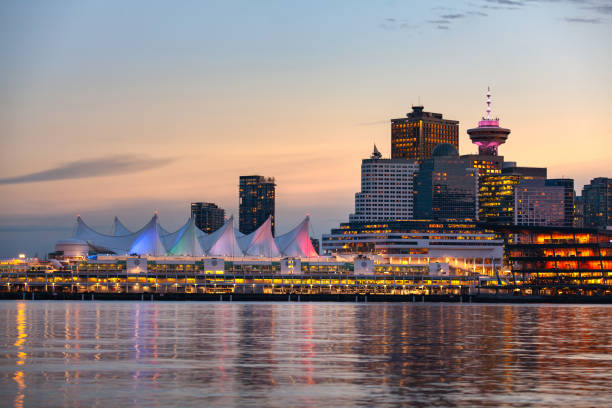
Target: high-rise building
(514, 199)
(496, 192)
(386, 189)
(597, 203)
(569, 198)
(445, 187)
(496, 198)
(579, 213)
(538, 204)
(208, 216)
(256, 201)
(415, 136)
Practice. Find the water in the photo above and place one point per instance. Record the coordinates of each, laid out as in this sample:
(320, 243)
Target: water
(149, 354)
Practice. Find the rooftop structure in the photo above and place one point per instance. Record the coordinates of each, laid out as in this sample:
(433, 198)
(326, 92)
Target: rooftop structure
(190, 241)
(488, 135)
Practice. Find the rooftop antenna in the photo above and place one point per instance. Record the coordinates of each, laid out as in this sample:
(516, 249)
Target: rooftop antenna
(488, 103)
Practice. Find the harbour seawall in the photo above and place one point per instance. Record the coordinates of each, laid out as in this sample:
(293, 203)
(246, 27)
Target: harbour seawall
(248, 297)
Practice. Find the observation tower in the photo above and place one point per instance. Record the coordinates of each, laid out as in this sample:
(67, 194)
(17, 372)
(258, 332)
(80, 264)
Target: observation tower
(488, 135)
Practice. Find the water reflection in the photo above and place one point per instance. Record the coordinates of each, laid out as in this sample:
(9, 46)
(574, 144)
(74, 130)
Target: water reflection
(306, 354)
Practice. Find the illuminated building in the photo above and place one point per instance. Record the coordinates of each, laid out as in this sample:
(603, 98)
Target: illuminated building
(208, 217)
(511, 199)
(597, 203)
(465, 247)
(496, 198)
(537, 203)
(559, 259)
(445, 187)
(222, 276)
(579, 213)
(415, 136)
(386, 189)
(488, 135)
(256, 201)
(569, 199)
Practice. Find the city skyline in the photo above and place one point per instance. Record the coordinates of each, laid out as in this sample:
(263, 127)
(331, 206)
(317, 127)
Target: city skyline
(280, 95)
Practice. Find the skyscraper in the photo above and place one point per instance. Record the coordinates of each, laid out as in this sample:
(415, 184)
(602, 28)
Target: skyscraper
(415, 136)
(445, 187)
(386, 189)
(208, 216)
(597, 203)
(256, 201)
(569, 199)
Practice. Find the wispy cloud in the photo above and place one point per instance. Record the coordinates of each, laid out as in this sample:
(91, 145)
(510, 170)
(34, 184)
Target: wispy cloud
(583, 20)
(394, 24)
(106, 166)
(452, 16)
(441, 27)
(606, 9)
(507, 2)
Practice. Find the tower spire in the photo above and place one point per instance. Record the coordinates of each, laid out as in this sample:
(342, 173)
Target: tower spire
(488, 103)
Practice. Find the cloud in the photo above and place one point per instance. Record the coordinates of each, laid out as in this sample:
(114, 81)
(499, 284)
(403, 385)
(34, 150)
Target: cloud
(439, 21)
(440, 27)
(583, 20)
(452, 16)
(507, 2)
(478, 13)
(122, 164)
(603, 9)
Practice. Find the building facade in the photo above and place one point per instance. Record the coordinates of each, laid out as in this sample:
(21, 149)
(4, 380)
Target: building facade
(597, 203)
(539, 204)
(256, 202)
(463, 246)
(415, 136)
(208, 216)
(386, 189)
(554, 260)
(569, 199)
(445, 187)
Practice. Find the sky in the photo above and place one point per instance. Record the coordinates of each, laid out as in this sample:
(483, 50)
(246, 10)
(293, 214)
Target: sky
(124, 108)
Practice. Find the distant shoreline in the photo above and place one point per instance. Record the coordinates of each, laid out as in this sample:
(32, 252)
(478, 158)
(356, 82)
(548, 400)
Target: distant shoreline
(344, 298)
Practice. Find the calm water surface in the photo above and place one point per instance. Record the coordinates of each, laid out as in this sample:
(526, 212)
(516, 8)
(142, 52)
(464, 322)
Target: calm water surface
(149, 354)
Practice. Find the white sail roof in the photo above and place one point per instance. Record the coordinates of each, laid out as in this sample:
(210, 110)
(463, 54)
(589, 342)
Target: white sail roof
(187, 243)
(149, 241)
(222, 242)
(260, 242)
(103, 242)
(297, 242)
(119, 229)
(170, 238)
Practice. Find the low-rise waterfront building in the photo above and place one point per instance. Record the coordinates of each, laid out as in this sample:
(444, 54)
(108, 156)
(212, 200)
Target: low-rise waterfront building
(465, 247)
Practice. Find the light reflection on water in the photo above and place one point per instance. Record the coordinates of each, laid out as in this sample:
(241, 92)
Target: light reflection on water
(305, 354)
